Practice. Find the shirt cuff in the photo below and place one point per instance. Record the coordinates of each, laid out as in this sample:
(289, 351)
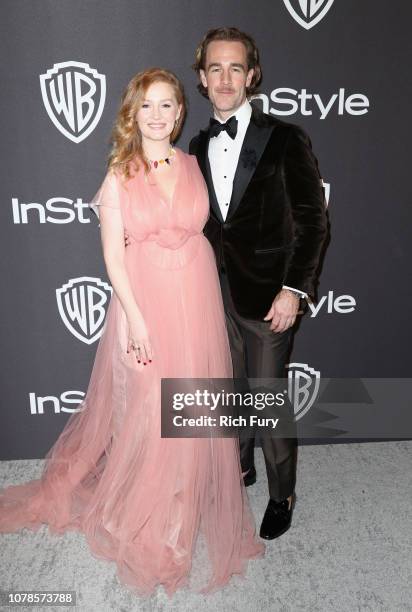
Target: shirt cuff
(302, 293)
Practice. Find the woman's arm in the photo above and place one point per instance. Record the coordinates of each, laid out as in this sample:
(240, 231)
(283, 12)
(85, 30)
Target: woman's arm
(112, 236)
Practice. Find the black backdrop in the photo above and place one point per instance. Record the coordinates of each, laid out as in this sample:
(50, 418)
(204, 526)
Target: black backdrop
(354, 59)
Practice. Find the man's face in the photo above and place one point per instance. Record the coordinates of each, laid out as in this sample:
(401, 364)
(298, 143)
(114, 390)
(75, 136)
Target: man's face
(226, 76)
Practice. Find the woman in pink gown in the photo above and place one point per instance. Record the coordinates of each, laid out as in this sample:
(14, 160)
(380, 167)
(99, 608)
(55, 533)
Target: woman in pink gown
(140, 499)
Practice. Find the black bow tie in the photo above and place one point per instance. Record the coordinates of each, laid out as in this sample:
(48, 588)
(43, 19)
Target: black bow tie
(215, 127)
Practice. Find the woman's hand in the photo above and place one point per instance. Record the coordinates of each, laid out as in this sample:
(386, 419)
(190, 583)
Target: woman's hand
(139, 341)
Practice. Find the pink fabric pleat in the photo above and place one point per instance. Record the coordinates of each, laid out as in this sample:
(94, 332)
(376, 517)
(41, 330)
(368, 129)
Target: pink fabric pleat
(139, 499)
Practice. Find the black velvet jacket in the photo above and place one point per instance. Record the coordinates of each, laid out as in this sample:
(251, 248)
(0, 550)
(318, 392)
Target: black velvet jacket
(276, 221)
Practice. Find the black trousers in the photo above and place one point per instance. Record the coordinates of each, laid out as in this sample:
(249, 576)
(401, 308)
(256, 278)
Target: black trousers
(258, 352)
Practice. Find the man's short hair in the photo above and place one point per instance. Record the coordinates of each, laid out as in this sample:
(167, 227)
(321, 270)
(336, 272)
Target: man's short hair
(230, 35)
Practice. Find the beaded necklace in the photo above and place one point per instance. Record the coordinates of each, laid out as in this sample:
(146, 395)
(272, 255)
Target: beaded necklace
(154, 163)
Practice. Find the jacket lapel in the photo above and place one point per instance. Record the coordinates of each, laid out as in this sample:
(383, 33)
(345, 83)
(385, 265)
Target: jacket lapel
(203, 160)
(254, 143)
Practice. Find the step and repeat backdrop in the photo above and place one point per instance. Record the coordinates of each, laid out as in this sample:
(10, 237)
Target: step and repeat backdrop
(338, 68)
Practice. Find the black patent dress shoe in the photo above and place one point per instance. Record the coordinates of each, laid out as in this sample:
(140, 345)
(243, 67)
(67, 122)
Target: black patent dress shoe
(277, 518)
(250, 477)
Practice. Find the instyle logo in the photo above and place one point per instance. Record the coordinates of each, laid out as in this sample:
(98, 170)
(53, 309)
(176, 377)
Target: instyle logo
(56, 405)
(82, 306)
(308, 13)
(303, 387)
(329, 304)
(288, 101)
(63, 210)
(74, 95)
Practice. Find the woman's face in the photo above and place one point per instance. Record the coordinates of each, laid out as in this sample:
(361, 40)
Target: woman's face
(159, 111)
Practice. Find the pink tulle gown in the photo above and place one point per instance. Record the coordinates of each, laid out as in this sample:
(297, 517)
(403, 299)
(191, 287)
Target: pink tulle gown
(140, 499)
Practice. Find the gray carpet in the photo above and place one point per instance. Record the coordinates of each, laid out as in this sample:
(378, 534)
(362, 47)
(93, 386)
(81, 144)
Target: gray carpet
(349, 548)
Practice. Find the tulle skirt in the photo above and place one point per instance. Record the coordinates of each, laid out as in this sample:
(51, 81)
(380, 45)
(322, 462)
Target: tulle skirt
(141, 500)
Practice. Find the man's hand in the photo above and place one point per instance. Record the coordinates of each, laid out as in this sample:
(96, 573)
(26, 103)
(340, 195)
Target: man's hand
(283, 311)
(126, 238)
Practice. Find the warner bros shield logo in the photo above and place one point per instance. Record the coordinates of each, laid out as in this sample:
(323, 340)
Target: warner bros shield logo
(308, 13)
(82, 306)
(74, 95)
(303, 387)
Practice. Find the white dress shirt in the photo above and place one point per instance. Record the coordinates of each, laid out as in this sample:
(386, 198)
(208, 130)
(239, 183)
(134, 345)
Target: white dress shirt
(223, 156)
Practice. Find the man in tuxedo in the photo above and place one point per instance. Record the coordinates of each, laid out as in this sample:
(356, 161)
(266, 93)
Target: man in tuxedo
(267, 225)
